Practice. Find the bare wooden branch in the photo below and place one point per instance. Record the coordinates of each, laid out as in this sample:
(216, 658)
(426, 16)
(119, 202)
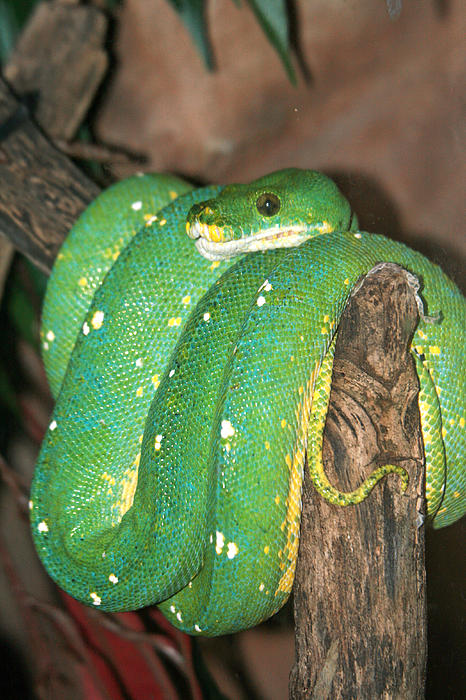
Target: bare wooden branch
(60, 60)
(360, 580)
(42, 192)
(6, 256)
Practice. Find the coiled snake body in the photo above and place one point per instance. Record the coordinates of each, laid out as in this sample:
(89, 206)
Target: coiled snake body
(190, 387)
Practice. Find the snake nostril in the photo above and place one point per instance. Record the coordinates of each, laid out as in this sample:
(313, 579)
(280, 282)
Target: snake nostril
(195, 211)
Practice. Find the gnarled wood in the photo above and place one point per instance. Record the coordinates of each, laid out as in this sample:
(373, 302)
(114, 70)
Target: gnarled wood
(360, 580)
(42, 192)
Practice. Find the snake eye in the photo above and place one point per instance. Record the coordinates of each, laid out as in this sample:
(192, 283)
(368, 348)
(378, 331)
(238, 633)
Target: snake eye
(268, 204)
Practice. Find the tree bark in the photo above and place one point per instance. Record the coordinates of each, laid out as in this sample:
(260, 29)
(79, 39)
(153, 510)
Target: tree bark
(42, 192)
(359, 592)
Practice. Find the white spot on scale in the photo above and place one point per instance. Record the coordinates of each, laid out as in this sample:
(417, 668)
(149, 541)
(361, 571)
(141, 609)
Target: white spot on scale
(53, 425)
(139, 362)
(172, 609)
(43, 527)
(219, 542)
(86, 328)
(97, 320)
(178, 617)
(50, 336)
(266, 286)
(358, 235)
(197, 628)
(206, 316)
(171, 373)
(232, 550)
(113, 579)
(96, 600)
(260, 300)
(30, 504)
(226, 430)
(136, 205)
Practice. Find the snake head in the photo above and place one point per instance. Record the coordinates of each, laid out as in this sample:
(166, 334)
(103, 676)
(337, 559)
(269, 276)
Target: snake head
(280, 210)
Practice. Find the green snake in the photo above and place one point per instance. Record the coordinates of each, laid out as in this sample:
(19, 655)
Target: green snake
(188, 338)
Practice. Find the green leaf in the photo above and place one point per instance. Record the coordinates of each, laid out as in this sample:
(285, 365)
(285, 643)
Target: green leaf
(192, 12)
(272, 15)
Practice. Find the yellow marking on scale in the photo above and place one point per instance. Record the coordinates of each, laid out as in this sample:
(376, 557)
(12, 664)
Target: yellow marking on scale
(293, 500)
(82, 282)
(215, 234)
(97, 320)
(109, 478)
(127, 491)
(139, 391)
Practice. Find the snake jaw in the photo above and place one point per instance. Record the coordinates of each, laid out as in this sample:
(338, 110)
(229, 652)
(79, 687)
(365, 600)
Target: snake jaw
(275, 237)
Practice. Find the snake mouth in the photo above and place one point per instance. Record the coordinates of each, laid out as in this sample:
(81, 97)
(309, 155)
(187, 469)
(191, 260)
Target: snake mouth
(210, 243)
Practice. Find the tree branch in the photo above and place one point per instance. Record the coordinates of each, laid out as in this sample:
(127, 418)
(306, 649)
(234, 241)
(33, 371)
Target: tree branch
(360, 581)
(42, 192)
